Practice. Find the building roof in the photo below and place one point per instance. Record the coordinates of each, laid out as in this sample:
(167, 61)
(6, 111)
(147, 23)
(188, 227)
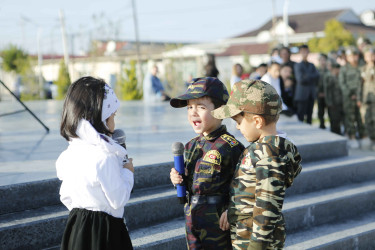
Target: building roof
(360, 29)
(250, 49)
(302, 23)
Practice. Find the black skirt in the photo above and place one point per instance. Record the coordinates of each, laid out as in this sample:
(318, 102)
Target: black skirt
(93, 230)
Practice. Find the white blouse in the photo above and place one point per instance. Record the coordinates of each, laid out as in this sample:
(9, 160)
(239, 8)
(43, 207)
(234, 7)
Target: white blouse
(92, 174)
(276, 84)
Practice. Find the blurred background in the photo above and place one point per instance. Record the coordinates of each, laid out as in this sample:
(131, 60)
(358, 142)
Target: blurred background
(46, 45)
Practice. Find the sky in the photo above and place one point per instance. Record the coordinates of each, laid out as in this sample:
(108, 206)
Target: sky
(21, 21)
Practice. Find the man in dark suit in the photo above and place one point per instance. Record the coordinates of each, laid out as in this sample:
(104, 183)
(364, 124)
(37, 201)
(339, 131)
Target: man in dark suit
(306, 79)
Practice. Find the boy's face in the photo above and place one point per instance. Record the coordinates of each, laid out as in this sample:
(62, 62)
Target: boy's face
(286, 72)
(335, 71)
(284, 54)
(246, 125)
(274, 71)
(199, 115)
(262, 70)
(304, 53)
(369, 57)
(322, 62)
(353, 59)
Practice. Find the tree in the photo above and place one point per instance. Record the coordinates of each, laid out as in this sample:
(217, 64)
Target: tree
(128, 84)
(15, 60)
(63, 81)
(335, 37)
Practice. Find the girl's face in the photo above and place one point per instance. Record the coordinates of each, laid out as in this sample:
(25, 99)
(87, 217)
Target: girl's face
(199, 116)
(111, 122)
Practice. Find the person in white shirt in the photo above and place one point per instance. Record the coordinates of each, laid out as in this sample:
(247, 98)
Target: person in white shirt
(272, 77)
(237, 71)
(96, 184)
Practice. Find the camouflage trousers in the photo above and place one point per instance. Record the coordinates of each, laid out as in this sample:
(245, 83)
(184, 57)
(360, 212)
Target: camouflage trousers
(203, 228)
(336, 118)
(369, 110)
(242, 230)
(353, 120)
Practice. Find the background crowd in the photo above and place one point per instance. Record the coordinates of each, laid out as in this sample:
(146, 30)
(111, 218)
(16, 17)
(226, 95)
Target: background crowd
(341, 86)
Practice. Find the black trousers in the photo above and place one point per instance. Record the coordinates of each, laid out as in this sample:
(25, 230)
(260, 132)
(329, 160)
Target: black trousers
(321, 110)
(91, 230)
(305, 109)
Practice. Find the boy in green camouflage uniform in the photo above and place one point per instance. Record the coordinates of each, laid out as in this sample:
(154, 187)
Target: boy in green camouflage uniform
(366, 93)
(210, 160)
(333, 98)
(266, 168)
(350, 80)
(321, 103)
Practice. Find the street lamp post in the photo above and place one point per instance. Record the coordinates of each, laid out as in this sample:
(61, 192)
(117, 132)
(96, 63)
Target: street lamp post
(40, 57)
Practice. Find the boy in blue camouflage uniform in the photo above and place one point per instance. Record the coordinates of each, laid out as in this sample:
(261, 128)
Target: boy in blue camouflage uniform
(210, 160)
(266, 168)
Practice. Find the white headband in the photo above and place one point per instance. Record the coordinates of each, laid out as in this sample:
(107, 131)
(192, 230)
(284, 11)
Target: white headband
(110, 103)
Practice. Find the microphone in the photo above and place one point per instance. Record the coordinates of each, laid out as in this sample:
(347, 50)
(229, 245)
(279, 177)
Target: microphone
(119, 136)
(178, 152)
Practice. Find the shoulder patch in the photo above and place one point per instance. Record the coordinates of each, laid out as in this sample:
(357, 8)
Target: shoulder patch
(230, 139)
(193, 139)
(213, 156)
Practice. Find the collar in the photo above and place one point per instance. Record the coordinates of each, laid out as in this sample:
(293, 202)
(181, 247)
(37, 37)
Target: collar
(87, 134)
(271, 139)
(215, 134)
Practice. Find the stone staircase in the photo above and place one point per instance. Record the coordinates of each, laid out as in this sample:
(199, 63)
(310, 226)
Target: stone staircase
(330, 205)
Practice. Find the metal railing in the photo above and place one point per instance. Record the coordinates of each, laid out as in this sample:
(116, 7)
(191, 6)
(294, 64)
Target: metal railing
(22, 110)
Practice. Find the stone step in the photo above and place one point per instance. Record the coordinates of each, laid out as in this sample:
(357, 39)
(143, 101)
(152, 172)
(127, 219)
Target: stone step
(314, 144)
(171, 235)
(30, 195)
(353, 233)
(43, 227)
(166, 235)
(329, 205)
(301, 213)
(323, 150)
(33, 229)
(356, 232)
(331, 173)
(36, 194)
(326, 174)
(153, 205)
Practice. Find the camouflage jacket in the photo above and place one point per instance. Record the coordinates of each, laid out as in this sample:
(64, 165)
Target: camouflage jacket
(332, 90)
(320, 84)
(349, 80)
(267, 167)
(366, 92)
(210, 161)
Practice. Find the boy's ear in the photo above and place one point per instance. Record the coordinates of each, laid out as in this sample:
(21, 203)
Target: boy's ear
(259, 121)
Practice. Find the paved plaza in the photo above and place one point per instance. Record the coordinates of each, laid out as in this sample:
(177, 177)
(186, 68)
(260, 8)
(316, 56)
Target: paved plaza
(28, 153)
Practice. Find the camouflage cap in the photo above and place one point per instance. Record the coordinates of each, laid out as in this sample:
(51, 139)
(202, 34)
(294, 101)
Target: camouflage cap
(369, 48)
(199, 87)
(351, 51)
(253, 96)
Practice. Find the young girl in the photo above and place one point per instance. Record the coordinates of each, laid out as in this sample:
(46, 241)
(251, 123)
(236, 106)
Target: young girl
(95, 183)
